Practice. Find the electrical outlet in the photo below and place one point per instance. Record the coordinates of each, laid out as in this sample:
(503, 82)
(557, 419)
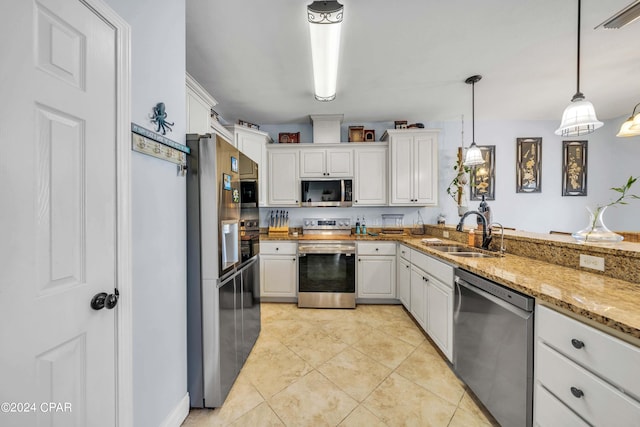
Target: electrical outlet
(592, 262)
(445, 233)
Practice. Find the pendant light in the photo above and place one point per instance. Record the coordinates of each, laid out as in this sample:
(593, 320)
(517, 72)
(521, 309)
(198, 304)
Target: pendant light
(579, 118)
(631, 127)
(325, 22)
(474, 155)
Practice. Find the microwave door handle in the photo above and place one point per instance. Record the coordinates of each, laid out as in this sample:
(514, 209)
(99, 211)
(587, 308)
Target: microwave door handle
(342, 190)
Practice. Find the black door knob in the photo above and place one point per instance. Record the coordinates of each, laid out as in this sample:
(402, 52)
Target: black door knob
(112, 299)
(577, 392)
(98, 301)
(577, 343)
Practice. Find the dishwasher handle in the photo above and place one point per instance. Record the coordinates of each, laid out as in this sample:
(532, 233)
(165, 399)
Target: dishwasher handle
(524, 314)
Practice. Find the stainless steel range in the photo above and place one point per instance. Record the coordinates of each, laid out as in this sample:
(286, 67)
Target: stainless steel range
(326, 268)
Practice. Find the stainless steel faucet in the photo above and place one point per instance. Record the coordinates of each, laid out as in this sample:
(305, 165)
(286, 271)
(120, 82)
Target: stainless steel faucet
(502, 248)
(486, 230)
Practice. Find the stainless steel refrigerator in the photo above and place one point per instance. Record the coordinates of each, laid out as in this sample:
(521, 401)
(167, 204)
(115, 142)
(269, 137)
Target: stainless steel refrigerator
(223, 291)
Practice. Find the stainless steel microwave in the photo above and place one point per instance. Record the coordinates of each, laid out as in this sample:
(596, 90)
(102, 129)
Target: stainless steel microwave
(326, 192)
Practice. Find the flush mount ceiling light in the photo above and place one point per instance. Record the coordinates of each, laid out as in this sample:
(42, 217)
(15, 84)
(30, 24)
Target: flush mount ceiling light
(631, 127)
(474, 155)
(579, 118)
(625, 17)
(325, 22)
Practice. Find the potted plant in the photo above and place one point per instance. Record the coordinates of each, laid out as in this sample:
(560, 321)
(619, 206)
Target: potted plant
(458, 183)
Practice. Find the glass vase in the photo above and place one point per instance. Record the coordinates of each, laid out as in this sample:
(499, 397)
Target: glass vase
(596, 231)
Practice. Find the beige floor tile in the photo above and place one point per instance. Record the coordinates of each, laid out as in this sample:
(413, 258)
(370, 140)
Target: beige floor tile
(462, 418)
(312, 401)
(432, 373)
(355, 374)
(287, 330)
(262, 416)
(316, 347)
(242, 398)
(272, 367)
(469, 405)
(362, 417)
(348, 331)
(384, 348)
(270, 311)
(403, 329)
(400, 402)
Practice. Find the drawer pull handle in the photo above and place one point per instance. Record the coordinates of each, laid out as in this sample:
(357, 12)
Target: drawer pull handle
(577, 392)
(577, 343)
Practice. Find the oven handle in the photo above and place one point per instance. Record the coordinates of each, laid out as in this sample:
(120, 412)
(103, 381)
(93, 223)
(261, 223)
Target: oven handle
(323, 252)
(331, 250)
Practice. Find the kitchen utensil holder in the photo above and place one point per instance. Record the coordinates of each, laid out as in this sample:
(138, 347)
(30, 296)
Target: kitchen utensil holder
(282, 231)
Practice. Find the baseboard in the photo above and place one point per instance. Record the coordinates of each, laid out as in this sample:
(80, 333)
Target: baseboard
(179, 413)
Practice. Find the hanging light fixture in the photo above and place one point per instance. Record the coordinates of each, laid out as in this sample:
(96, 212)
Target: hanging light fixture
(325, 22)
(579, 118)
(474, 155)
(631, 127)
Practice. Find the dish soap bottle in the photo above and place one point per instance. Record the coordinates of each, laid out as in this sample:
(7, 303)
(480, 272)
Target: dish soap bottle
(358, 225)
(364, 227)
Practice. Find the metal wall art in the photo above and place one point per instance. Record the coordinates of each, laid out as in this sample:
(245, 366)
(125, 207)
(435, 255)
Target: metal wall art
(574, 168)
(529, 165)
(159, 117)
(483, 176)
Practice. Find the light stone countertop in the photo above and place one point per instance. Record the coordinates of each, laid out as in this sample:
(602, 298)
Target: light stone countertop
(605, 301)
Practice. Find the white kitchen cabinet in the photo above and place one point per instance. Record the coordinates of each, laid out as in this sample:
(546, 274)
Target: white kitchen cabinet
(283, 183)
(403, 282)
(376, 270)
(199, 104)
(370, 181)
(584, 370)
(253, 143)
(440, 315)
(418, 283)
(413, 164)
(334, 162)
(278, 270)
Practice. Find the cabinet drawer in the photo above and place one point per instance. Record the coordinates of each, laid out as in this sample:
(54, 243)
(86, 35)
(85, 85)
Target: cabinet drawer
(440, 270)
(419, 259)
(614, 360)
(404, 252)
(598, 402)
(550, 412)
(376, 248)
(279, 248)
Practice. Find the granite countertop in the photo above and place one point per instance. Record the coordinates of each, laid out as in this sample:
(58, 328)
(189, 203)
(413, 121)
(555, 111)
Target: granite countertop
(610, 302)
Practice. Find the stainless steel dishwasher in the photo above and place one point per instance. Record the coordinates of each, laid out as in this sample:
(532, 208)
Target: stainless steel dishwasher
(493, 346)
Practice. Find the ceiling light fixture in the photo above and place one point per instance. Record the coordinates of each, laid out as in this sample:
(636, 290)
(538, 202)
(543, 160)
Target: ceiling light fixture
(631, 127)
(625, 17)
(579, 118)
(474, 155)
(325, 22)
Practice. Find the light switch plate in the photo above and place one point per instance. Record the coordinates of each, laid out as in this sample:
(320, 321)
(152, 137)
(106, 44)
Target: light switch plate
(592, 262)
(445, 233)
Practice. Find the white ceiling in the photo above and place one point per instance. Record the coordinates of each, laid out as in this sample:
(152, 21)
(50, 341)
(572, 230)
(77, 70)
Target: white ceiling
(408, 59)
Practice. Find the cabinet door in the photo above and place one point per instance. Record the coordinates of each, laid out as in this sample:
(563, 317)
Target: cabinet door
(440, 316)
(403, 283)
(419, 296)
(402, 162)
(376, 276)
(339, 163)
(312, 163)
(370, 181)
(278, 275)
(255, 147)
(198, 113)
(283, 187)
(425, 157)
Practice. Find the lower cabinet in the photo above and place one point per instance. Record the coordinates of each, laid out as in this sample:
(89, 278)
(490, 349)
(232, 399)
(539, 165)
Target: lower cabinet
(440, 315)
(403, 282)
(376, 270)
(278, 270)
(583, 376)
(419, 296)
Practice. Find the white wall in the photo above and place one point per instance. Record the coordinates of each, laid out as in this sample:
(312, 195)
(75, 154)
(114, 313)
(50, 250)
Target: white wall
(611, 161)
(159, 220)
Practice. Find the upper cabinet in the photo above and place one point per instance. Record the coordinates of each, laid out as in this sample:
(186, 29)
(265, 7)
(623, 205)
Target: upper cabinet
(335, 162)
(413, 163)
(283, 182)
(370, 180)
(253, 143)
(199, 104)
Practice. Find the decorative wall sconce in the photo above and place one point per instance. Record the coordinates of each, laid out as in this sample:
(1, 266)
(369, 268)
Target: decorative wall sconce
(631, 127)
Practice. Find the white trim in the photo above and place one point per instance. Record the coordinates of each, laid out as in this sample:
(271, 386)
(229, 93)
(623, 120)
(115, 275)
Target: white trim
(199, 90)
(124, 313)
(179, 413)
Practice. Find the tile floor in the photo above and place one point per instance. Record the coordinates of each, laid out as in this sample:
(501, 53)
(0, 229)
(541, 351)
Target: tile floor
(371, 366)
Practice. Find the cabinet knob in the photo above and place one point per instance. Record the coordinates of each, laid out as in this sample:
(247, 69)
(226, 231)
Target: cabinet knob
(293, 259)
(577, 392)
(277, 249)
(377, 249)
(577, 343)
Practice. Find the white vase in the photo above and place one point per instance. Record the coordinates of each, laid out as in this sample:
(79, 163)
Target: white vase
(596, 231)
(462, 210)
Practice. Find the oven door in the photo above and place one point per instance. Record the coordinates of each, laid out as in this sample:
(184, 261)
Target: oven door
(326, 276)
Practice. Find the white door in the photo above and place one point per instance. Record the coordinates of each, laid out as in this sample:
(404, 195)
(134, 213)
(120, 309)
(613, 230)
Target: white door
(58, 218)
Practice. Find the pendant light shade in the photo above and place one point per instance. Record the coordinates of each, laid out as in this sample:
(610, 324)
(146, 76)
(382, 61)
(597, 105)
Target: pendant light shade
(579, 118)
(325, 22)
(631, 127)
(474, 155)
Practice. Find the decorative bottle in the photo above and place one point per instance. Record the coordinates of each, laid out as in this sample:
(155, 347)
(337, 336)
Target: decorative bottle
(358, 225)
(363, 227)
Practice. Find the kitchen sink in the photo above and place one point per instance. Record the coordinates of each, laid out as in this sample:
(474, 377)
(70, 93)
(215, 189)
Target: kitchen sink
(463, 251)
(474, 255)
(450, 248)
